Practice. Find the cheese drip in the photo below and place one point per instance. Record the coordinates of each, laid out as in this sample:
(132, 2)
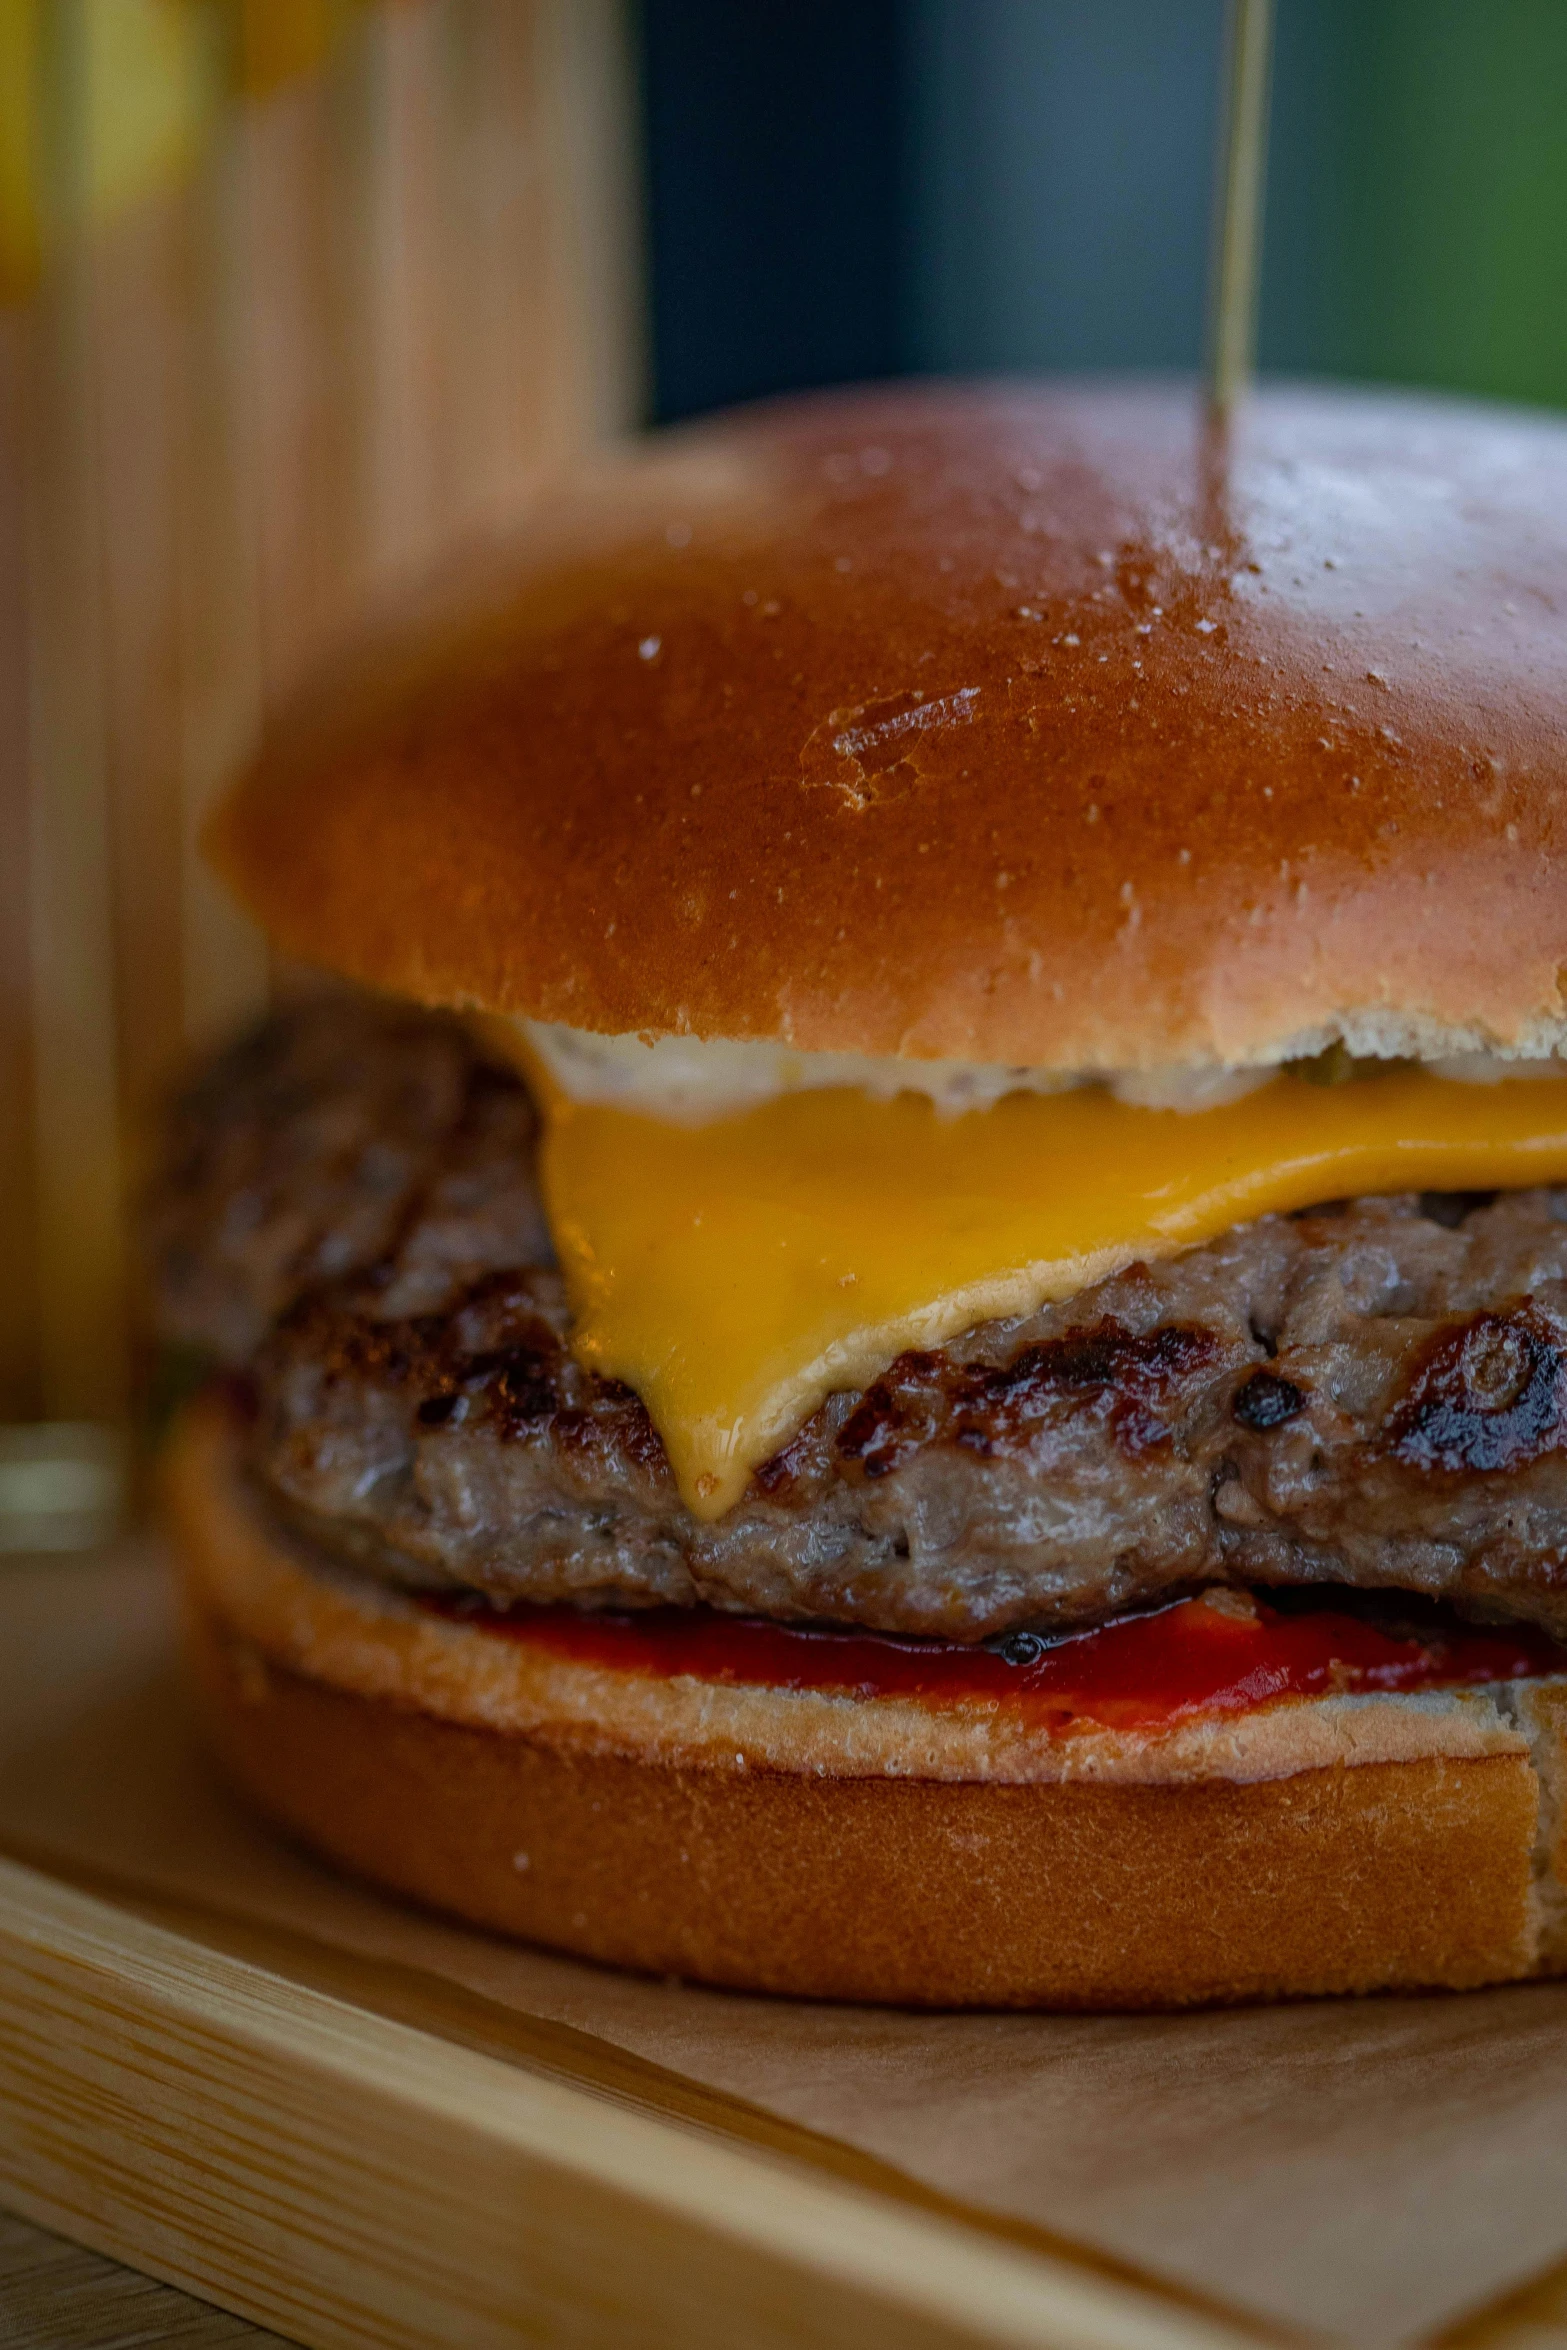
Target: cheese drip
(738, 1272)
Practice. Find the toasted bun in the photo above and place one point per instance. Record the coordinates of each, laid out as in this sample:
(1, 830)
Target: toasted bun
(1022, 725)
(866, 1849)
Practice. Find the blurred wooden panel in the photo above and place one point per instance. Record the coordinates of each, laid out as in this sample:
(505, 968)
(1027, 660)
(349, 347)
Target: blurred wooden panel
(299, 294)
(499, 203)
(82, 1369)
(137, 283)
(20, 1393)
(223, 959)
(305, 231)
(594, 165)
(414, 278)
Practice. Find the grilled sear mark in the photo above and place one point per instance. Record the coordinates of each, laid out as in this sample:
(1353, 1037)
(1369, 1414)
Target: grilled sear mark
(898, 1413)
(515, 1384)
(1135, 1381)
(1266, 1400)
(1487, 1395)
(491, 1360)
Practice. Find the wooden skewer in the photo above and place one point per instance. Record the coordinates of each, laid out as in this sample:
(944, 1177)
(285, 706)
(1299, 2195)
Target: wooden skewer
(1240, 177)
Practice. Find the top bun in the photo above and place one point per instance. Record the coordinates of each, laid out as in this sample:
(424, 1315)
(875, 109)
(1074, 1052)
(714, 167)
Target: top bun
(1018, 724)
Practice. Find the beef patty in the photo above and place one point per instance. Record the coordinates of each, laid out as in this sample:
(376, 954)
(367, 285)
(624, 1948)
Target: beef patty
(1373, 1393)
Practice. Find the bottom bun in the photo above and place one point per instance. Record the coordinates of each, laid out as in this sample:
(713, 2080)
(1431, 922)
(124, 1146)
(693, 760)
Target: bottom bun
(646, 1827)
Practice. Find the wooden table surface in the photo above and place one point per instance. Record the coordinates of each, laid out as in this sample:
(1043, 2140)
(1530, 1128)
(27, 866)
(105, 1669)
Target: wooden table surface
(55, 2296)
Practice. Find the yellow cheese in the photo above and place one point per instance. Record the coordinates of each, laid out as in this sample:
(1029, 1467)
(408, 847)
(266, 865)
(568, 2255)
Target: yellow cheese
(736, 1273)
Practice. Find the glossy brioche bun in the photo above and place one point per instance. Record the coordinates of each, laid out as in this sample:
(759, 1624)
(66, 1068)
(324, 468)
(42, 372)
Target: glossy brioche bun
(834, 1847)
(1018, 724)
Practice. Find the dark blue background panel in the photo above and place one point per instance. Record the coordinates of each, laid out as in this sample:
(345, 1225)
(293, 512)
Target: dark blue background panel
(774, 134)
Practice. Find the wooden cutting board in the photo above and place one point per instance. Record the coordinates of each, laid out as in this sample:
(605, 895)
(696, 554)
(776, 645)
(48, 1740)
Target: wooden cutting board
(346, 2176)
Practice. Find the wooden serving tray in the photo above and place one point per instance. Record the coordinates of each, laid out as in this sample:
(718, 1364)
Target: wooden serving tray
(303, 2156)
(354, 2149)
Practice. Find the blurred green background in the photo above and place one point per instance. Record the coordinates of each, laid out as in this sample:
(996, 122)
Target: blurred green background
(1418, 222)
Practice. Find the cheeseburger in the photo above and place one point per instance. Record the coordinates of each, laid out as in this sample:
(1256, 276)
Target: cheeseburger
(900, 1329)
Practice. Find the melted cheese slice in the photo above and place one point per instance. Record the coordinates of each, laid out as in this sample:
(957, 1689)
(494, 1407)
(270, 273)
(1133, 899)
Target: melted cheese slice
(736, 1273)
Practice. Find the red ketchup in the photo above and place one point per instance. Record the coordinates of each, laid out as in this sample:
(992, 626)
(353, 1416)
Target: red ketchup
(1140, 1672)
